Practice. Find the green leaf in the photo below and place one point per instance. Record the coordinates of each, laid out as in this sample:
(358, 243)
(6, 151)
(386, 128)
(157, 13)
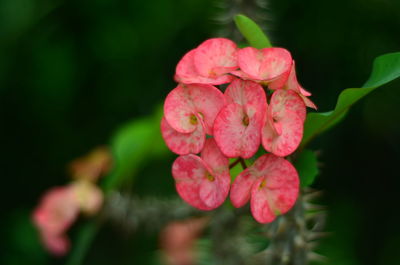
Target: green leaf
(131, 146)
(236, 170)
(82, 243)
(306, 165)
(252, 32)
(386, 68)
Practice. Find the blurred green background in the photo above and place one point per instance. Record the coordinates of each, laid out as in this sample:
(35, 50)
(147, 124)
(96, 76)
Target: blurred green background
(73, 72)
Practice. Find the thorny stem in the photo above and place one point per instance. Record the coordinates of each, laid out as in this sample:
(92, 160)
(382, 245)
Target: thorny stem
(237, 161)
(243, 163)
(234, 163)
(131, 213)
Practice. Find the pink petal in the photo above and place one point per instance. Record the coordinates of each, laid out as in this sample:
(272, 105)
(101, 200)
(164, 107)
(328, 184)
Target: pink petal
(214, 191)
(276, 191)
(242, 75)
(259, 204)
(215, 57)
(304, 92)
(186, 105)
(203, 183)
(57, 244)
(57, 210)
(294, 84)
(283, 101)
(285, 143)
(183, 143)
(214, 159)
(246, 93)
(265, 64)
(241, 187)
(289, 81)
(237, 128)
(308, 102)
(283, 129)
(186, 73)
(231, 134)
(178, 240)
(188, 172)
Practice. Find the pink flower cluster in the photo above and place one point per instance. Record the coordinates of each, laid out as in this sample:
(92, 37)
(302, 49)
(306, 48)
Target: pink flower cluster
(263, 104)
(60, 206)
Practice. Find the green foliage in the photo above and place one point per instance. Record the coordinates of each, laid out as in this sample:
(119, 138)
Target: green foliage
(82, 243)
(131, 146)
(385, 69)
(25, 246)
(306, 165)
(252, 32)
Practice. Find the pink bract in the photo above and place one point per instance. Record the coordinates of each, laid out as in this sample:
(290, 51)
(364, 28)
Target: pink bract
(186, 73)
(178, 240)
(56, 244)
(263, 65)
(189, 106)
(215, 57)
(57, 210)
(183, 143)
(283, 128)
(237, 128)
(289, 81)
(203, 182)
(272, 183)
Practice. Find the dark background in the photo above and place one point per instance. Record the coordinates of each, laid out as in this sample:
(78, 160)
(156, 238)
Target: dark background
(72, 72)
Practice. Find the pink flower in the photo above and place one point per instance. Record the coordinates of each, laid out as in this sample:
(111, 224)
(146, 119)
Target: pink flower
(239, 120)
(204, 181)
(209, 63)
(183, 143)
(56, 212)
(263, 65)
(289, 81)
(178, 240)
(283, 128)
(237, 128)
(271, 184)
(56, 244)
(189, 112)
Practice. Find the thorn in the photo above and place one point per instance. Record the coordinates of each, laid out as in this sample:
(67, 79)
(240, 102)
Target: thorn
(317, 235)
(313, 207)
(312, 195)
(312, 256)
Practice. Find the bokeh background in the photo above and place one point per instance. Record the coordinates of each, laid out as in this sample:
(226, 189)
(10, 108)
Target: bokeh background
(73, 72)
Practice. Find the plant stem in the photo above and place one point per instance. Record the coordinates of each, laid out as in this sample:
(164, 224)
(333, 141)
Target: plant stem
(82, 243)
(243, 163)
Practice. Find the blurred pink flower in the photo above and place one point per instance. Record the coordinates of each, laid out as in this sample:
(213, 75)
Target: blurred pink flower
(56, 212)
(178, 238)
